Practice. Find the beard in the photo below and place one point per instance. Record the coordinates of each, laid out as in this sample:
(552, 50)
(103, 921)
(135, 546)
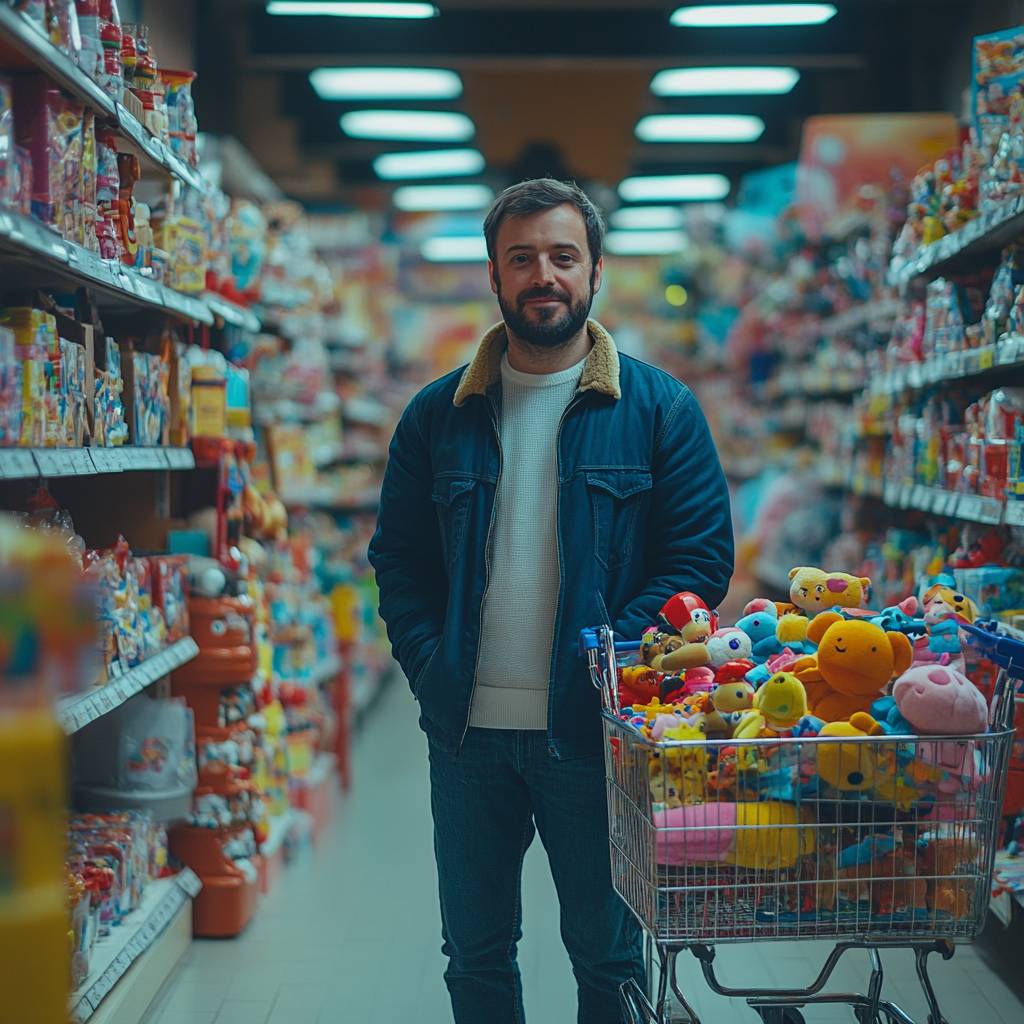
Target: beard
(551, 327)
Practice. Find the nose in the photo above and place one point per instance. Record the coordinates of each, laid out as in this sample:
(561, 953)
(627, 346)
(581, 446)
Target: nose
(544, 271)
(939, 676)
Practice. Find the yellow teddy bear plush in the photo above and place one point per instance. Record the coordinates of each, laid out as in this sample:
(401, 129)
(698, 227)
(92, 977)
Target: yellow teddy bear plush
(814, 590)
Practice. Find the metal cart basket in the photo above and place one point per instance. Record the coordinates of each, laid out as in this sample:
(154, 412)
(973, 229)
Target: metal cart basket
(873, 841)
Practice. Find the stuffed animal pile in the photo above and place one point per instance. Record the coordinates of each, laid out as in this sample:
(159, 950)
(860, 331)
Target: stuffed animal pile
(845, 781)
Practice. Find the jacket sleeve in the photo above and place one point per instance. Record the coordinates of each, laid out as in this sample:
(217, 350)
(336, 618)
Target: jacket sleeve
(406, 550)
(689, 543)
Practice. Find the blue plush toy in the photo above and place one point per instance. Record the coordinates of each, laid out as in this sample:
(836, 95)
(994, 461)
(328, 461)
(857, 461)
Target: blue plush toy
(760, 627)
(885, 712)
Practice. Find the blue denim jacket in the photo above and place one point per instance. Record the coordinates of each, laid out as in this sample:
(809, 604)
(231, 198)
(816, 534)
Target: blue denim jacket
(643, 513)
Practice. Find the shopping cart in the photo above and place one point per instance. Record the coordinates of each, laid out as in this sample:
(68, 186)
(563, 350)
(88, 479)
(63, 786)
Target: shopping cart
(876, 842)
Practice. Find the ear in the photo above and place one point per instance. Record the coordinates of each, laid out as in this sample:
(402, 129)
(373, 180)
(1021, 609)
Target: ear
(817, 626)
(491, 277)
(799, 568)
(864, 582)
(902, 651)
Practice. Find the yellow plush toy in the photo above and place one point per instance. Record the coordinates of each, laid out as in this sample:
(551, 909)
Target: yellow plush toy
(814, 590)
(849, 766)
(855, 659)
(779, 704)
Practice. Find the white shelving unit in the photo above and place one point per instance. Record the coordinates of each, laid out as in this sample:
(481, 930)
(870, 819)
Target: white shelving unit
(113, 955)
(79, 711)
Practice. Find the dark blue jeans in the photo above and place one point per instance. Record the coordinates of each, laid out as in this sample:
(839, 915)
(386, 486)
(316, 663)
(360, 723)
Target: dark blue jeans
(486, 801)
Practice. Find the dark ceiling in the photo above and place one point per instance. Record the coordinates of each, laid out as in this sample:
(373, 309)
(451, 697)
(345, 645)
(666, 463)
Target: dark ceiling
(563, 83)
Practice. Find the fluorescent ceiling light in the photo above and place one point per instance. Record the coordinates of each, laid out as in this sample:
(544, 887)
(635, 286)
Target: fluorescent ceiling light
(411, 125)
(454, 249)
(433, 163)
(680, 187)
(724, 81)
(699, 128)
(736, 15)
(639, 218)
(385, 83)
(417, 198)
(645, 243)
(332, 9)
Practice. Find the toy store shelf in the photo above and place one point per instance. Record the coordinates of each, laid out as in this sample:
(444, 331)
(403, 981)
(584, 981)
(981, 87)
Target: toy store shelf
(114, 954)
(857, 316)
(811, 382)
(18, 32)
(326, 670)
(26, 463)
(974, 508)
(331, 498)
(30, 251)
(951, 253)
(1007, 352)
(231, 313)
(79, 711)
(277, 832)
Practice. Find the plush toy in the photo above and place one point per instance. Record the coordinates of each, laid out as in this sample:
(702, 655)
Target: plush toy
(693, 623)
(779, 704)
(728, 644)
(763, 836)
(941, 601)
(901, 618)
(760, 625)
(638, 684)
(760, 604)
(849, 767)
(855, 659)
(814, 590)
(791, 634)
(940, 701)
(888, 882)
(949, 889)
(735, 695)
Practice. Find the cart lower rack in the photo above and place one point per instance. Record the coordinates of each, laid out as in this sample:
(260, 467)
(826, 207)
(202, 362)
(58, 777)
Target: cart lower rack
(873, 841)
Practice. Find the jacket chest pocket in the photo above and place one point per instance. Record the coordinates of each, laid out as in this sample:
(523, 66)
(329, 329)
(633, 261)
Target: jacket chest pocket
(617, 499)
(451, 496)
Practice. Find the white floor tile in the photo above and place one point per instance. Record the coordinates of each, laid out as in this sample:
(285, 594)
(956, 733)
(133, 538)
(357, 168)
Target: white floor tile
(352, 933)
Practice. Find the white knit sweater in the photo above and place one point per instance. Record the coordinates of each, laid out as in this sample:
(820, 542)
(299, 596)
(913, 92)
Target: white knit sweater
(522, 594)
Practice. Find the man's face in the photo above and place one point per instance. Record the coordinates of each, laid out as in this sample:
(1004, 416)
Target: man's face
(543, 276)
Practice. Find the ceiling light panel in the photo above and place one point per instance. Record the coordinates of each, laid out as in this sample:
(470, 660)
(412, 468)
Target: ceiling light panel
(645, 243)
(699, 128)
(678, 187)
(746, 15)
(646, 218)
(332, 9)
(433, 163)
(386, 83)
(454, 249)
(421, 198)
(409, 125)
(773, 81)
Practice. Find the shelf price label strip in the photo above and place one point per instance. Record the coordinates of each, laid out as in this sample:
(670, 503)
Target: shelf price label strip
(186, 886)
(80, 711)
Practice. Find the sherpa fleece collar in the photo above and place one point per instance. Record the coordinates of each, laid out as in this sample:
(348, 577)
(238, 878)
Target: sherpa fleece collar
(600, 371)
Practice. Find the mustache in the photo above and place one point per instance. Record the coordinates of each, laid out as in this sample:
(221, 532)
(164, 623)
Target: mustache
(541, 292)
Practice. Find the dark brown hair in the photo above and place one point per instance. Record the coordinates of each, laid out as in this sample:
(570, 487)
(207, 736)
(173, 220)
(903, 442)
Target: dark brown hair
(545, 194)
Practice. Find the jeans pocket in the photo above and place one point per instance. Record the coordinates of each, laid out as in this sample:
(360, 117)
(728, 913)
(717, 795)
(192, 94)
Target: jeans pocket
(618, 500)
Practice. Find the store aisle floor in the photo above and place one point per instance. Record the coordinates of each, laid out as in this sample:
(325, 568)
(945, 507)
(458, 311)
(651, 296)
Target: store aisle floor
(351, 934)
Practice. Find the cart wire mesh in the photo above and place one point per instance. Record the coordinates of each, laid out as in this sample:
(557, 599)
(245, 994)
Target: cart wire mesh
(868, 839)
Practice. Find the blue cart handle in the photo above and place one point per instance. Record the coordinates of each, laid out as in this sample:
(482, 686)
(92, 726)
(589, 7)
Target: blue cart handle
(589, 642)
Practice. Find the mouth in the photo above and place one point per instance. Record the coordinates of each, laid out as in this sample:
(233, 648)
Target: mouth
(841, 650)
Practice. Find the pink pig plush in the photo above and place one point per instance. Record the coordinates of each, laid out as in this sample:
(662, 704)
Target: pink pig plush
(937, 700)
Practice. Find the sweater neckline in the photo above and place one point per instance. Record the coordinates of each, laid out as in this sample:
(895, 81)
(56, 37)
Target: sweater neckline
(510, 375)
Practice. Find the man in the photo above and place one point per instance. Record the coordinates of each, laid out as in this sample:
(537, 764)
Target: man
(550, 485)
